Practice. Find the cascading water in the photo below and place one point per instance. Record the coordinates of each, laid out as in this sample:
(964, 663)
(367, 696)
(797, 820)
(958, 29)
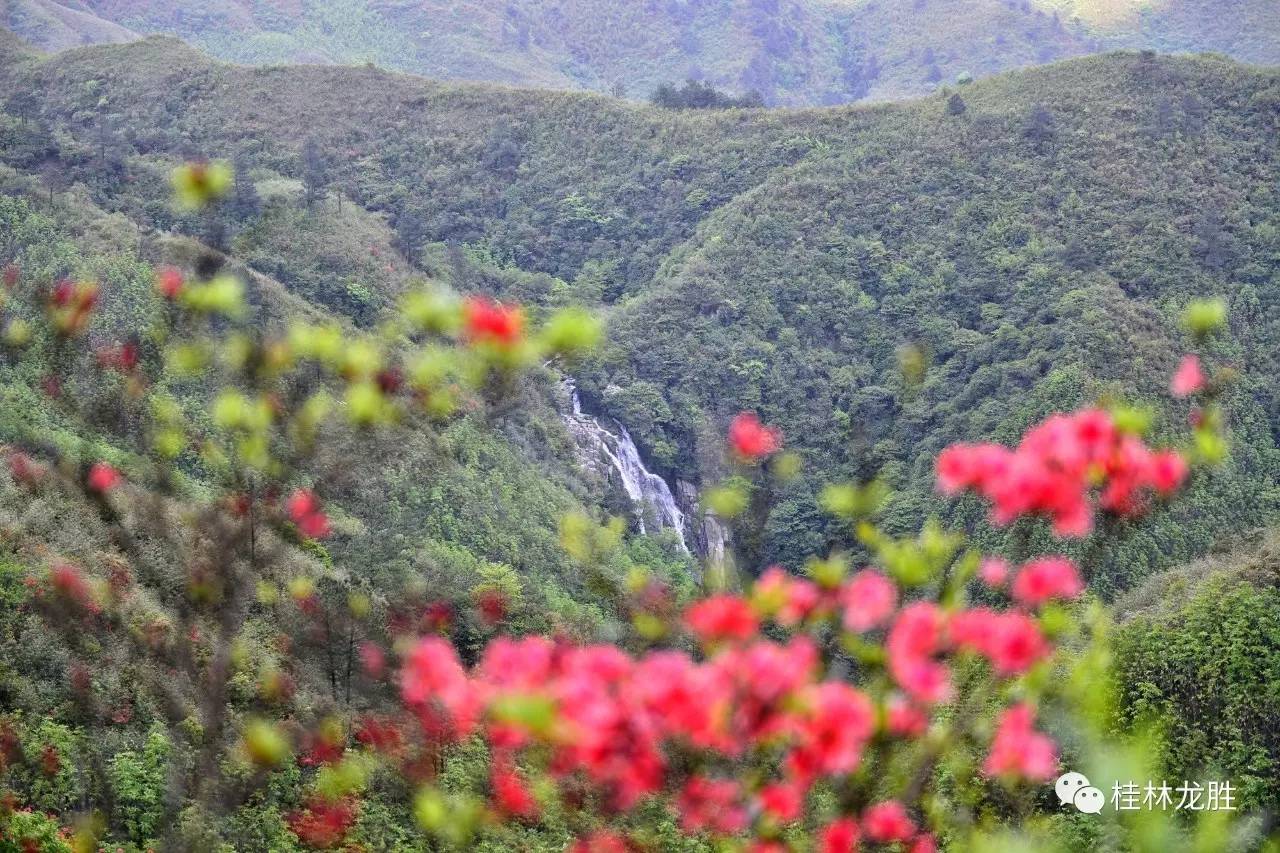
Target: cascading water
(649, 493)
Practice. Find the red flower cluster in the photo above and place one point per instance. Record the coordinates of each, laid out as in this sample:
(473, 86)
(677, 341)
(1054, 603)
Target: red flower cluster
(1053, 472)
(751, 440)
(711, 805)
(304, 511)
(600, 842)
(432, 675)
(994, 572)
(24, 469)
(323, 823)
(869, 599)
(611, 721)
(491, 605)
(1042, 580)
(722, 617)
(613, 716)
(887, 822)
(839, 836)
(1011, 641)
(1189, 378)
(122, 358)
(379, 734)
(904, 719)
(510, 794)
(68, 582)
(915, 641)
(487, 321)
(1019, 750)
(326, 746)
(169, 283)
(103, 478)
(787, 599)
(71, 304)
(372, 659)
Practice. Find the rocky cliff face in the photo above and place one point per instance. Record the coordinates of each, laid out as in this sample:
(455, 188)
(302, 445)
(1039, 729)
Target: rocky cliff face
(707, 536)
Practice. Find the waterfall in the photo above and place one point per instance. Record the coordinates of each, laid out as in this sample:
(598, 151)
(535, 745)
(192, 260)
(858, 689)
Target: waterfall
(650, 495)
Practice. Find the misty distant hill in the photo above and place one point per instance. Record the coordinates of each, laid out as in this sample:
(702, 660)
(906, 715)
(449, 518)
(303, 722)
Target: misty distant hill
(793, 52)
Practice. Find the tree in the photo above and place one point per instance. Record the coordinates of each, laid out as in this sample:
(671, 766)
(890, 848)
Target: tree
(315, 172)
(696, 95)
(411, 232)
(1228, 714)
(53, 174)
(245, 203)
(1079, 255)
(24, 104)
(1040, 127)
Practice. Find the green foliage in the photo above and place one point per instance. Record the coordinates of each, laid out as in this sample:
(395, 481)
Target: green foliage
(695, 95)
(1039, 292)
(54, 777)
(878, 282)
(1206, 674)
(138, 784)
(25, 831)
(908, 250)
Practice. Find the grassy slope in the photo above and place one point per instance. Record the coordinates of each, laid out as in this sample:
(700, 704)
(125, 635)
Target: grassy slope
(776, 260)
(58, 26)
(794, 51)
(1252, 558)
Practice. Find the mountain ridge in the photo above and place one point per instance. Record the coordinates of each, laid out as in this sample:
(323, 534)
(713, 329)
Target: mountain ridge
(792, 51)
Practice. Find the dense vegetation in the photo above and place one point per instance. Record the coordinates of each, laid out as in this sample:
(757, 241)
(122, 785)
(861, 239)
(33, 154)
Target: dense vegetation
(694, 95)
(1029, 245)
(1198, 657)
(230, 685)
(879, 283)
(791, 51)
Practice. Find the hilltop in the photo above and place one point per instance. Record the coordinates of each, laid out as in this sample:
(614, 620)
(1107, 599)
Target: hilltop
(793, 52)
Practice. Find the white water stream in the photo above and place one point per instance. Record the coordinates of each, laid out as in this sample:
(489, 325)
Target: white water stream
(651, 497)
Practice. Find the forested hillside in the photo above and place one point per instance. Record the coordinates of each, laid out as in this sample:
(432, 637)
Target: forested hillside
(1029, 236)
(790, 52)
(480, 501)
(280, 477)
(1198, 657)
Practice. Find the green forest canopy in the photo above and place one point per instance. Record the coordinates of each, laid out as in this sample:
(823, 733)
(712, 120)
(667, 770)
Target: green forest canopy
(1036, 245)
